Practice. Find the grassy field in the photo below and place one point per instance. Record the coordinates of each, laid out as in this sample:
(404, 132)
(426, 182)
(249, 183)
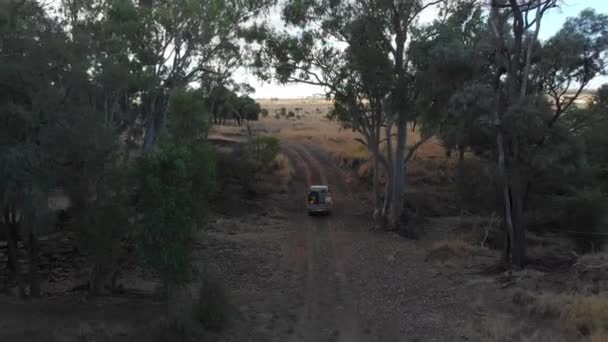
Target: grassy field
(305, 121)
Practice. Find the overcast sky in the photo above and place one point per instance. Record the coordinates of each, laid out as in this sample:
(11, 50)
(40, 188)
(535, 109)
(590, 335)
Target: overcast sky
(552, 22)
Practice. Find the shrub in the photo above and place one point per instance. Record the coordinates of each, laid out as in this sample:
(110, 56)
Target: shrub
(477, 188)
(237, 169)
(174, 182)
(583, 217)
(212, 308)
(283, 111)
(262, 151)
(446, 249)
(291, 114)
(249, 161)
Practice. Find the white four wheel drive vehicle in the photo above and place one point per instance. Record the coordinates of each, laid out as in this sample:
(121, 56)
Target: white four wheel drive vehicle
(318, 199)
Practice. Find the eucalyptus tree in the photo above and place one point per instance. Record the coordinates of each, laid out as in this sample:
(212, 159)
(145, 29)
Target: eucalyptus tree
(531, 132)
(368, 55)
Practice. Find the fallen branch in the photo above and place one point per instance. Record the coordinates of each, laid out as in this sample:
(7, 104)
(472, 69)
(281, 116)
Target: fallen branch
(590, 267)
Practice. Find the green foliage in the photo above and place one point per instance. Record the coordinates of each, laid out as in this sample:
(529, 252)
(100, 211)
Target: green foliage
(477, 188)
(105, 223)
(261, 152)
(575, 53)
(189, 120)
(174, 183)
(226, 104)
(248, 108)
(168, 204)
(583, 217)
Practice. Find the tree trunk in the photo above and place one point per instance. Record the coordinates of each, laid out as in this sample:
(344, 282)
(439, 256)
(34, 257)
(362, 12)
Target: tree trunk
(34, 276)
(506, 248)
(388, 189)
(518, 248)
(12, 239)
(375, 185)
(461, 150)
(11, 263)
(151, 132)
(506, 192)
(398, 185)
(98, 280)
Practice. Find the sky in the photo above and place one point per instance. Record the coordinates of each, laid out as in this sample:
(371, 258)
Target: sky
(551, 23)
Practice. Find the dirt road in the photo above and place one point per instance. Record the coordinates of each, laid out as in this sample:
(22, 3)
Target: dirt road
(321, 249)
(290, 277)
(337, 281)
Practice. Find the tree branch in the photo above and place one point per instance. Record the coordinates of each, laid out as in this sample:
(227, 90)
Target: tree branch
(415, 147)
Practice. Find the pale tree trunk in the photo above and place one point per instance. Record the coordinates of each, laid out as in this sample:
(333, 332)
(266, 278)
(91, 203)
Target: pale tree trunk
(506, 193)
(398, 185)
(388, 189)
(518, 249)
(34, 275)
(375, 185)
(373, 144)
(517, 63)
(151, 129)
(12, 238)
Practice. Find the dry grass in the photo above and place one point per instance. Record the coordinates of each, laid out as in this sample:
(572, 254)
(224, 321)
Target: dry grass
(507, 329)
(284, 169)
(313, 126)
(550, 304)
(544, 305)
(500, 329)
(444, 250)
(579, 315)
(586, 315)
(600, 336)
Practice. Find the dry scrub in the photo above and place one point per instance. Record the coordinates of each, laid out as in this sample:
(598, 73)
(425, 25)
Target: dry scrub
(586, 316)
(443, 250)
(578, 315)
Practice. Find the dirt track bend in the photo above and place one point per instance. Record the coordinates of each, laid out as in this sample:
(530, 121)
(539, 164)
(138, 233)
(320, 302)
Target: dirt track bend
(363, 286)
(322, 247)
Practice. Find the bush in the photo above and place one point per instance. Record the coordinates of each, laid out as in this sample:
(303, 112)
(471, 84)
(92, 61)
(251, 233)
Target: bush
(174, 183)
(283, 111)
(446, 249)
(249, 161)
(261, 152)
(237, 169)
(291, 114)
(212, 307)
(477, 187)
(583, 217)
